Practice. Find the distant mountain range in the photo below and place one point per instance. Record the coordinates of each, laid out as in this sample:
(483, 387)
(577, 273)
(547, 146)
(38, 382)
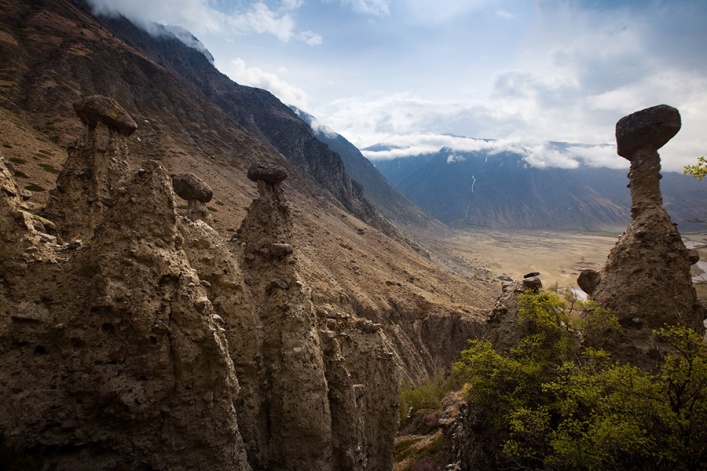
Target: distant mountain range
(480, 189)
(390, 202)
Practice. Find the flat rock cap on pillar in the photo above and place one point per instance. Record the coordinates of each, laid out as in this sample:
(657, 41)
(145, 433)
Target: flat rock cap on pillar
(190, 187)
(272, 174)
(651, 128)
(98, 108)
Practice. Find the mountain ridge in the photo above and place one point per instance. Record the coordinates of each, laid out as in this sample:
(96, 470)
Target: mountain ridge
(501, 190)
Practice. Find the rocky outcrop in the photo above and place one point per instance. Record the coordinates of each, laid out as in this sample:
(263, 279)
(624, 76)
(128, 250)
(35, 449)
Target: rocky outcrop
(646, 281)
(111, 353)
(503, 328)
(90, 181)
(329, 389)
(156, 344)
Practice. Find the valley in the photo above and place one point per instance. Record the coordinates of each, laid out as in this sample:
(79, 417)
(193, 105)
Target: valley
(559, 256)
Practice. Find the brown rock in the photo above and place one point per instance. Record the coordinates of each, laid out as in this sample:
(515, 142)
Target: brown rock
(190, 187)
(588, 280)
(272, 174)
(101, 109)
(280, 250)
(651, 129)
(532, 283)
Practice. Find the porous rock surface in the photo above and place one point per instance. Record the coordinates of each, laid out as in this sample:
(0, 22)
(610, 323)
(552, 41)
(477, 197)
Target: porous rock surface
(156, 344)
(110, 361)
(646, 281)
(329, 385)
(89, 182)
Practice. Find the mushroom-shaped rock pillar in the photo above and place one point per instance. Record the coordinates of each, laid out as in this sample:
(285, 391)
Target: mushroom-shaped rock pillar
(95, 166)
(197, 193)
(268, 177)
(638, 138)
(646, 281)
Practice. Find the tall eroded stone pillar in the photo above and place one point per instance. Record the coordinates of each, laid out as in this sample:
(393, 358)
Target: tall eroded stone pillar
(646, 280)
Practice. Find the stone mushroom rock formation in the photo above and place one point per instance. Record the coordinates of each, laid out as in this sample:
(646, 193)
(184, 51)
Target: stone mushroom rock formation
(101, 109)
(193, 189)
(328, 396)
(95, 166)
(646, 281)
(271, 174)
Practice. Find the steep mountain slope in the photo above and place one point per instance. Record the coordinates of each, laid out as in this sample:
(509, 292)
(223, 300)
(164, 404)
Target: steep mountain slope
(477, 189)
(263, 115)
(55, 52)
(393, 204)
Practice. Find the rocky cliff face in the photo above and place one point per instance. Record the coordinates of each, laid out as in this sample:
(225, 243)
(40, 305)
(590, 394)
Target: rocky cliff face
(127, 349)
(113, 355)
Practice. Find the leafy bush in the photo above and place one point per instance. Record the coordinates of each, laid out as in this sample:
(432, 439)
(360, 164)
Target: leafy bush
(428, 395)
(557, 403)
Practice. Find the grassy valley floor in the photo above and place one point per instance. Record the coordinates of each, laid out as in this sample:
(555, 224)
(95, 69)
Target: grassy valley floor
(558, 256)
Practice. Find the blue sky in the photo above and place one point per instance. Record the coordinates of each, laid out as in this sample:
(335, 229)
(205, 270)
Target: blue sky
(411, 73)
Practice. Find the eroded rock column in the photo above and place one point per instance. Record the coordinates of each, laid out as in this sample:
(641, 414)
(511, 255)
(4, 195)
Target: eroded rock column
(646, 280)
(90, 180)
(296, 403)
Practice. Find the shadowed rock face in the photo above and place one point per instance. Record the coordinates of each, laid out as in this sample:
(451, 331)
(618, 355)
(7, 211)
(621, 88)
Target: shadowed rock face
(124, 365)
(150, 346)
(101, 109)
(646, 280)
(328, 389)
(89, 183)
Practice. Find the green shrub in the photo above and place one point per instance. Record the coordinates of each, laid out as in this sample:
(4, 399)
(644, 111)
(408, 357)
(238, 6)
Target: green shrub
(428, 395)
(557, 403)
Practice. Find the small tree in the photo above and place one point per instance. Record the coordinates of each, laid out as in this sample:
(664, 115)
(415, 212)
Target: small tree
(699, 170)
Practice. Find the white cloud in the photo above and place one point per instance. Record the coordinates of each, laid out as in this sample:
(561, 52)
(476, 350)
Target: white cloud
(368, 7)
(542, 156)
(599, 156)
(200, 16)
(195, 15)
(255, 77)
(505, 14)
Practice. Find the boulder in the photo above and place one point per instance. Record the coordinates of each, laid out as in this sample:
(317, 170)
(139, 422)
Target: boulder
(190, 187)
(272, 174)
(101, 109)
(650, 128)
